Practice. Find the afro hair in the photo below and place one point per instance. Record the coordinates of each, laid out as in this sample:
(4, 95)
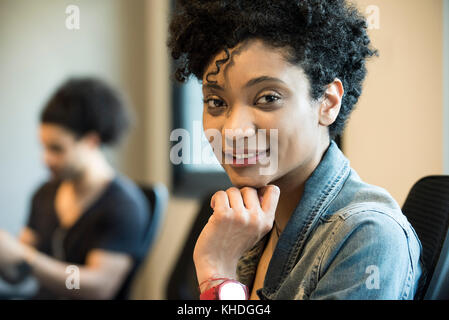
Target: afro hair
(327, 38)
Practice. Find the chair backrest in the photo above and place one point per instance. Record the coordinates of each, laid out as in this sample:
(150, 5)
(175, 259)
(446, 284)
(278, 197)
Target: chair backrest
(427, 209)
(157, 197)
(183, 284)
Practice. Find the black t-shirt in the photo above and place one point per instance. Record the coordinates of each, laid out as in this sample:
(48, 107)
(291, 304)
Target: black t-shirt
(116, 221)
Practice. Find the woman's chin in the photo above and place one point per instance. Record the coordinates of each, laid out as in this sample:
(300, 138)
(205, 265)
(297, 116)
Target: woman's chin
(249, 181)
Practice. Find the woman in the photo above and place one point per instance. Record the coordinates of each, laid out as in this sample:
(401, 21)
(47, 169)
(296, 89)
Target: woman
(311, 229)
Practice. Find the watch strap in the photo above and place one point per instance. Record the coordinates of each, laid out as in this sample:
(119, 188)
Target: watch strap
(213, 292)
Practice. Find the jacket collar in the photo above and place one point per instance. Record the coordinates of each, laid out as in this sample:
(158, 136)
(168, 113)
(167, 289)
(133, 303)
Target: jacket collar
(320, 190)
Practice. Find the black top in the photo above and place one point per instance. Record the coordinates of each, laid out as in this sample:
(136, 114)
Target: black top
(116, 221)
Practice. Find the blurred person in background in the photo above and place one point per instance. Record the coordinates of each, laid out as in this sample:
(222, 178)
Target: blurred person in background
(87, 216)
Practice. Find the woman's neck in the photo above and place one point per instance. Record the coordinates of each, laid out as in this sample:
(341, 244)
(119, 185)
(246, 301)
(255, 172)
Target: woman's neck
(292, 187)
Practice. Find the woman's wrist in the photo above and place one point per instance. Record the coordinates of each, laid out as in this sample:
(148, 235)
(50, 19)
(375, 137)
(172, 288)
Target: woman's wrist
(211, 282)
(210, 277)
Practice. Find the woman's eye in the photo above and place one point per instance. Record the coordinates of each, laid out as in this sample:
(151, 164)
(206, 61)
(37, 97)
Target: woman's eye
(268, 98)
(214, 103)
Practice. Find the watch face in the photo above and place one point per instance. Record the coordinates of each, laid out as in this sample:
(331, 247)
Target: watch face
(232, 290)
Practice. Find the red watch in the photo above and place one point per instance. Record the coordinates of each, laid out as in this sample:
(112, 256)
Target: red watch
(227, 290)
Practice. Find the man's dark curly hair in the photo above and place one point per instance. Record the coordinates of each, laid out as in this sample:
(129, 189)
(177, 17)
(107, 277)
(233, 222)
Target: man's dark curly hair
(84, 105)
(327, 38)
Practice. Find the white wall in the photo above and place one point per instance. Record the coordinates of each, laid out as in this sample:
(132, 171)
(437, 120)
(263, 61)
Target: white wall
(37, 53)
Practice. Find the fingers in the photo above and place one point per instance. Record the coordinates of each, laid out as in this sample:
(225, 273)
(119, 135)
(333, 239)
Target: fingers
(266, 198)
(219, 200)
(235, 198)
(250, 198)
(232, 198)
(270, 197)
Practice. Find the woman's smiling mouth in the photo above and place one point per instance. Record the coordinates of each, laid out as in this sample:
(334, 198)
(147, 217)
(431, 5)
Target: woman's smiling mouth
(245, 158)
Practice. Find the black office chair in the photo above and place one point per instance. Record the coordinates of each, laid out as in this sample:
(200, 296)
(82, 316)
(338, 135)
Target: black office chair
(157, 196)
(183, 284)
(427, 209)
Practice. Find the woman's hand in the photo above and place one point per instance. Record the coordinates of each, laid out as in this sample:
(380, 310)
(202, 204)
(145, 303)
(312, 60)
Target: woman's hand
(240, 219)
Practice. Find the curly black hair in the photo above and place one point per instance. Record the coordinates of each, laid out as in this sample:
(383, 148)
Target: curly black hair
(327, 38)
(83, 105)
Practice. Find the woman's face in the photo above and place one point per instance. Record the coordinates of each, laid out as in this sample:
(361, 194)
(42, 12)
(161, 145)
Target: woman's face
(258, 89)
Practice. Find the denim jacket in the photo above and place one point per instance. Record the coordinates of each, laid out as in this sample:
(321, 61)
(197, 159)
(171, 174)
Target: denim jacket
(346, 239)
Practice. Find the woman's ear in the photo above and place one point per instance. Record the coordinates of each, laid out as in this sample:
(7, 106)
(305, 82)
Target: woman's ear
(331, 103)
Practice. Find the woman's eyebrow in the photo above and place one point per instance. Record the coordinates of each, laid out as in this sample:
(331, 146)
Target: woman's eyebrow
(260, 79)
(250, 83)
(212, 86)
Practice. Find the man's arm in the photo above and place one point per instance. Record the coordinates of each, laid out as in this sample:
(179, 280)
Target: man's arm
(28, 237)
(14, 274)
(100, 278)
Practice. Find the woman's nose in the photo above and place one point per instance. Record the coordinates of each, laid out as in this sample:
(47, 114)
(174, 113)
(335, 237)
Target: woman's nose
(239, 126)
